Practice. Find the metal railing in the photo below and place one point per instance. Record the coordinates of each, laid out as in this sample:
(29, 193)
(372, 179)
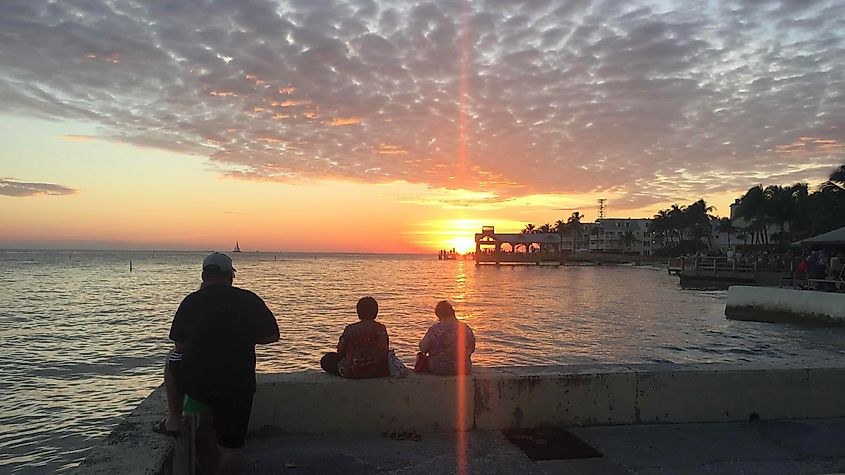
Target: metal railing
(717, 265)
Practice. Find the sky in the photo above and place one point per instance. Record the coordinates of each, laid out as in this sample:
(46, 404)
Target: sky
(399, 126)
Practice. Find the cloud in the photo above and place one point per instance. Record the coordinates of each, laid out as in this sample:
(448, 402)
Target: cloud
(77, 138)
(646, 100)
(21, 189)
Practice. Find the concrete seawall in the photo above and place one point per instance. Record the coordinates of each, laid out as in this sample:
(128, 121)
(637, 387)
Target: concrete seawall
(536, 396)
(770, 304)
(501, 398)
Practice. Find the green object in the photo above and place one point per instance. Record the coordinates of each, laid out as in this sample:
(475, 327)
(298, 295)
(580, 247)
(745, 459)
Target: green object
(191, 405)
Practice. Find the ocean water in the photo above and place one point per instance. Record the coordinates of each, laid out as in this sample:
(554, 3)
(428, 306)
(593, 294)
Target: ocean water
(84, 339)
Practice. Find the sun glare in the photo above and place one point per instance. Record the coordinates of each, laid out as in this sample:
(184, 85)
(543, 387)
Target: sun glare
(462, 245)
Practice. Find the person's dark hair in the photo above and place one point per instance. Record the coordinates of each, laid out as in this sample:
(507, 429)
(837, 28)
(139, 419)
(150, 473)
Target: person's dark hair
(215, 272)
(367, 308)
(444, 310)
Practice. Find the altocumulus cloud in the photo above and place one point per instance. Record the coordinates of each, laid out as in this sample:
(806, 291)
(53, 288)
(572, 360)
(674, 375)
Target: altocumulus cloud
(648, 98)
(21, 188)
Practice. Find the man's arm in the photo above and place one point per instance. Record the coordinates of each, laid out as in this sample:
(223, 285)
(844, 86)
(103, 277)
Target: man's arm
(268, 338)
(178, 333)
(268, 330)
(471, 337)
(425, 343)
(341, 344)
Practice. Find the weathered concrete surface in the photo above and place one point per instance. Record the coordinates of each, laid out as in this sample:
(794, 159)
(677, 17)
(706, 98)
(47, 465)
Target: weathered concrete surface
(485, 452)
(313, 403)
(762, 447)
(533, 397)
(770, 304)
(492, 399)
(132, 447)
(723, 393)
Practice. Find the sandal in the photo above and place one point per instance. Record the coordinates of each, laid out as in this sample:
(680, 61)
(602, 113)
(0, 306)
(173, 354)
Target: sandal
(161, 428)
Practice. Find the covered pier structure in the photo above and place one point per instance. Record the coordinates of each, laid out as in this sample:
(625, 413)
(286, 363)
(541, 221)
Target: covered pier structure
(517, 248)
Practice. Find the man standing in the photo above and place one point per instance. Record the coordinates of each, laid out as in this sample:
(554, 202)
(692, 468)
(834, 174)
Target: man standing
(217, 328)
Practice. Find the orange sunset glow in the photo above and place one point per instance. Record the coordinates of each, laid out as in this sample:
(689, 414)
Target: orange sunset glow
(349, 139)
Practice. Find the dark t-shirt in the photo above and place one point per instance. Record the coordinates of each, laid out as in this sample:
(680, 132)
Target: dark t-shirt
(363, 350)
(219, 326)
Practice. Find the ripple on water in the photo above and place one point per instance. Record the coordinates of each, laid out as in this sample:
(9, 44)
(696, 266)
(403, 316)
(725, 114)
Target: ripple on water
(84, 340)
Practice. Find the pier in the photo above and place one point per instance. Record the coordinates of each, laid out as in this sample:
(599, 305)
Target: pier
(721, 272)
(517, 248)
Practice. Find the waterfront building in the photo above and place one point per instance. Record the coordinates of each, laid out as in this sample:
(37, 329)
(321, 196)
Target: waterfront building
(609, 235)
(536, 248)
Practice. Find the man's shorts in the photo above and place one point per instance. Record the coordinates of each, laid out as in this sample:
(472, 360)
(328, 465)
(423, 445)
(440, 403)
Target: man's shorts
(192, 406)
(229, 405)
(231, 416)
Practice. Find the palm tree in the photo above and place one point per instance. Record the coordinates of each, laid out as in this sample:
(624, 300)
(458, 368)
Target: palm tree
(660, 226)
(676, 222)
(779, 205)
(726, 226)
(573, 224)
(697, 219)
(836, 182)
(753, 208)
(529, 229)
(545, 228)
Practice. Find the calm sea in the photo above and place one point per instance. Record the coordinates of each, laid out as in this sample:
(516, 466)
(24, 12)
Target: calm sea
(84, 339)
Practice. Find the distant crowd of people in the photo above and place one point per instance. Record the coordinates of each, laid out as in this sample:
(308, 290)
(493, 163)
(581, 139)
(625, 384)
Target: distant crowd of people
(820, 264)
(211, 369)
(821, 271)
(762, 259)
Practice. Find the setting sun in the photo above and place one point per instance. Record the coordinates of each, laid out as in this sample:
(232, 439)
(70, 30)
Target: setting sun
(462, 245)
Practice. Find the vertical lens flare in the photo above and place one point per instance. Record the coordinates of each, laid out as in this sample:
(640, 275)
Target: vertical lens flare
(463, 81)
(461, 406)
(461, 396)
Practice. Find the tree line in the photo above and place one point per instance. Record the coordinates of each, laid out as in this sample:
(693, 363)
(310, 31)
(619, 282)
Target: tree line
(772, 215)
(572, 228)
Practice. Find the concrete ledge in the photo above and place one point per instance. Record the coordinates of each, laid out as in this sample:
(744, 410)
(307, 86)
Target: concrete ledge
(496, 398)
(504, 398)
(727, 394)
(314, 402)
(526, 397)
(132, 447)
(769, 304)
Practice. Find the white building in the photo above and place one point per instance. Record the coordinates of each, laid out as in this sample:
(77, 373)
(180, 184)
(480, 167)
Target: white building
(608, 235)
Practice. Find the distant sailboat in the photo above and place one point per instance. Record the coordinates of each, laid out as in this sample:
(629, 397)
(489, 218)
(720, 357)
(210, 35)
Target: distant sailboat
(237, 247)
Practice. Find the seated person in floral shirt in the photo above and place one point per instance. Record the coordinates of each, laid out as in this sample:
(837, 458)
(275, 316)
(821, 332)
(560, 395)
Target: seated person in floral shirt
(362, 349)
(449, 343)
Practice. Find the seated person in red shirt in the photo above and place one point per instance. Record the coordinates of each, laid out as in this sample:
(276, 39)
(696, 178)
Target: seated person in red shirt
(362, 349)
(803, 266)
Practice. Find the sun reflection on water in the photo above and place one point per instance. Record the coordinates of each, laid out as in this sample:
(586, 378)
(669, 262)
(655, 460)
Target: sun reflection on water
(84, 339)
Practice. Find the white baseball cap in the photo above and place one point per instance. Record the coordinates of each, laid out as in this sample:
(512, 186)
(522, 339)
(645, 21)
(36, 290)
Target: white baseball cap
(222, 261)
